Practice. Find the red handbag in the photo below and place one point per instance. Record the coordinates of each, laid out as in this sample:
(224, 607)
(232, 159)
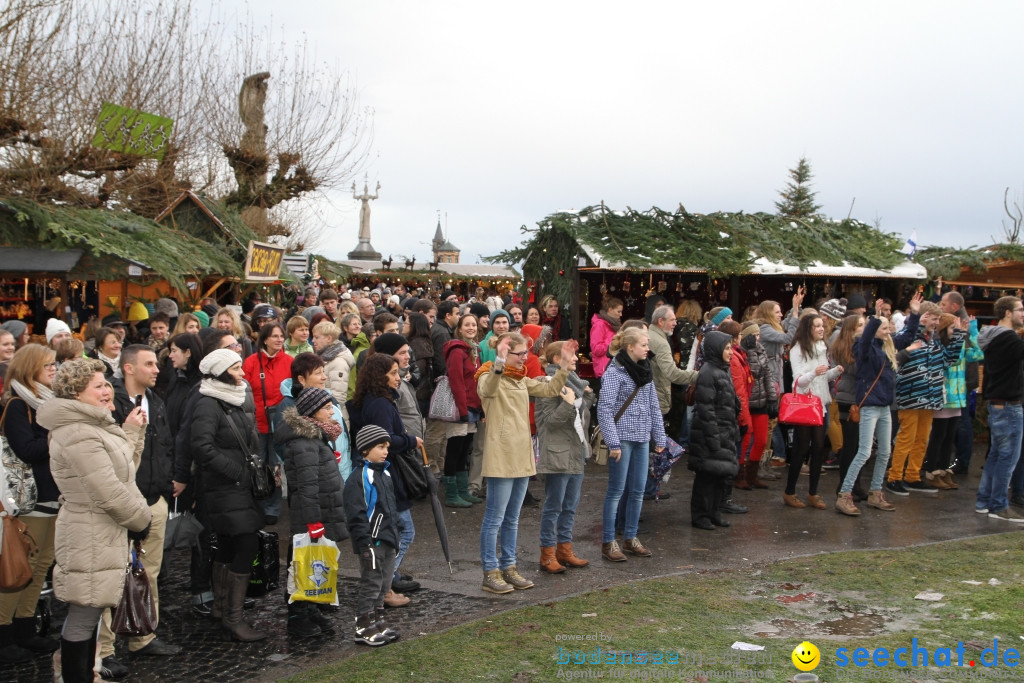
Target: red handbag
(802, 410)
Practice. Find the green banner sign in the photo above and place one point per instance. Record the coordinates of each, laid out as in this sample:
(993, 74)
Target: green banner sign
(125, 130)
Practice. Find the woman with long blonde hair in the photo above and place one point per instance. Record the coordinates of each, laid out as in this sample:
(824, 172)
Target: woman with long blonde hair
(875, 353)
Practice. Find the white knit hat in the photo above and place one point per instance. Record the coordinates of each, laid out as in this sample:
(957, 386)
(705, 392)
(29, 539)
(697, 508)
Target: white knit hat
(217, 362)
(55, 326)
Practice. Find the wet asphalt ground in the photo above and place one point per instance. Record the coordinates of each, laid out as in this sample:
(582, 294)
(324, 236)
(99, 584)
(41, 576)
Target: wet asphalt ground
(769, 532)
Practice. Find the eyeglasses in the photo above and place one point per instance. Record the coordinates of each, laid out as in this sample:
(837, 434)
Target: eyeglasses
(521, 354)
(236, 346)
(50, 366)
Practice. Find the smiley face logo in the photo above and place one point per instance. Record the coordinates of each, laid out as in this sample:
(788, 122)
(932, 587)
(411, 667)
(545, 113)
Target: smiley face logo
(806, 656)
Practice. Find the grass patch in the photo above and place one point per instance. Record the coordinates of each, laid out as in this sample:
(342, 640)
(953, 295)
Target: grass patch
(850, 599)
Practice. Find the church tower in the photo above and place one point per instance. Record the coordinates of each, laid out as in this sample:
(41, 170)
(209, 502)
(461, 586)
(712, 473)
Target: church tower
(444, 251)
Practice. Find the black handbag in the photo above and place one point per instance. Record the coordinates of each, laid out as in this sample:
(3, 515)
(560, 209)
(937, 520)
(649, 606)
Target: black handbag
(135, 615)
(266, 568)
(413, 474)
(262, 480)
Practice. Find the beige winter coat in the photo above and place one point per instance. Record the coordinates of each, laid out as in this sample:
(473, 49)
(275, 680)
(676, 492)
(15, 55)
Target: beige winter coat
(93, 462)
(508, 451)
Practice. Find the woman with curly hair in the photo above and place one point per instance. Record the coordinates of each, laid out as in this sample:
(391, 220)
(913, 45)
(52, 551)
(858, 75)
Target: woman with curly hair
(376, 402)
(93, 463)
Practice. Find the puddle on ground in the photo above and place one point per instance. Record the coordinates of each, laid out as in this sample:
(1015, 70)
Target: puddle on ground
(823, 617)
(854, 625)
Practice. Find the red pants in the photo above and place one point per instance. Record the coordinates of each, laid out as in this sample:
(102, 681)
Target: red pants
(758, 433)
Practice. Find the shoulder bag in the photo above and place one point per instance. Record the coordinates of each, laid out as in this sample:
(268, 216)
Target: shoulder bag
(262, 481)
(135, 614)
(442, 402)
(855, 409)
(802, 410)
(597, 444)
(19, 479)
(15, 549)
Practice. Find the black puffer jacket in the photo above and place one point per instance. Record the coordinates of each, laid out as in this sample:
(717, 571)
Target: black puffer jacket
(715, 428)
(153, 476)
(383, 527)
(315, 488)
(227, 498)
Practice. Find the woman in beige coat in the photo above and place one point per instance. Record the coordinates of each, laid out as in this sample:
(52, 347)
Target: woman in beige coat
(505, 392)
(93, 462)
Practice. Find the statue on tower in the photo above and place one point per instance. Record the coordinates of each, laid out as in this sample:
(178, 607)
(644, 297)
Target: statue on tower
(364, 251)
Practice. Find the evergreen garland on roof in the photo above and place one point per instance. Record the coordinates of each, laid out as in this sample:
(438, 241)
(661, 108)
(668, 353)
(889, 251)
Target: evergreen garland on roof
(946, 262)
(720, 243)
(171, 254)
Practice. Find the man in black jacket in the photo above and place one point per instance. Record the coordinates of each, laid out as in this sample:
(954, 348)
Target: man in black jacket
(153, 477)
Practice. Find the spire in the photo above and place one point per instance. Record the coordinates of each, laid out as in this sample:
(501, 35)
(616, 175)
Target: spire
(438, 235)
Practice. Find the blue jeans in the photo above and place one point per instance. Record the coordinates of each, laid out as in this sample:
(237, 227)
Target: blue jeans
(634, 462)
(272, 505)
(561, 496)
(684, 429)
(504, 499)
(1005, 425)
(875, 424)
(406, 532)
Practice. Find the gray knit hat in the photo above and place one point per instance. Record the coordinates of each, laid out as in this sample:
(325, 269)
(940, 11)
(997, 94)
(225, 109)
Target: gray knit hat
(310, 400)
(369, 436)
(15, 327)
(166, 306)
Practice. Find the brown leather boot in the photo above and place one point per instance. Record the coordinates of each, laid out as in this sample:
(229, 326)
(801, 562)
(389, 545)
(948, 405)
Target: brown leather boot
(740, 481)
(232, 619)
(565, 555)
(611, 552)
(816, 502)
(752, 479)
(548, 562)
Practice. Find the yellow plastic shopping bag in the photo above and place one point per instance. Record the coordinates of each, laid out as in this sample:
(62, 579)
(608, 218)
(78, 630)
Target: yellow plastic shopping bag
(313, 572)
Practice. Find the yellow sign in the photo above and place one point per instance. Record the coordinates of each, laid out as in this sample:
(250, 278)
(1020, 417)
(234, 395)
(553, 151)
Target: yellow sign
(263, 262)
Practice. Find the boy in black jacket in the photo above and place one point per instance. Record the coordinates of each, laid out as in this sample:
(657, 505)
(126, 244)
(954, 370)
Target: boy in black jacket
(371, 515)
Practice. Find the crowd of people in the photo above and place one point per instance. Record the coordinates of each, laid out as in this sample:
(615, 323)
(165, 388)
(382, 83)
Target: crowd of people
(333, 396)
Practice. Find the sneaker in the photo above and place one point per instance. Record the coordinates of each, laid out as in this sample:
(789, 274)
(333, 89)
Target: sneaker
(896, 488)
(367, 632)
(805, 469)
(1008, 515)
(981, 511)
(920, 487)
(732, 507)
(831, 463)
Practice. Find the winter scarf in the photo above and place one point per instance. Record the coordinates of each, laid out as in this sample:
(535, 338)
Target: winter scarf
(640, 373)
(612, 322)
(232, 394)
(332, 430)
(34, 400)
(510, 372)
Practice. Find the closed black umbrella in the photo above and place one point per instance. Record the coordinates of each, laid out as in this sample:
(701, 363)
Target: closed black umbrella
(435, 505)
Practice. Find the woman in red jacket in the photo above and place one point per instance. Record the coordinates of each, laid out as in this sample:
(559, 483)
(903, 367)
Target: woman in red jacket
(462, 358)
(264, 371)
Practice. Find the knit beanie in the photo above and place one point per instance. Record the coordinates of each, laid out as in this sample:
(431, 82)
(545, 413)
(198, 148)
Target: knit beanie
(309, 311)
(369, 436)
(15, 327)
(204, 318)
(479, 310)
(856, 301)
(749, 329)
(217, 362)
(722, 315)
(389, 343)
(834, 308)
(166, 306)
(55, 326)
(310, 400)
(211, 310)
(500, 311)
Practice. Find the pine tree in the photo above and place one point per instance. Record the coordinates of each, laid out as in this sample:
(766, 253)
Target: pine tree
(797, 198)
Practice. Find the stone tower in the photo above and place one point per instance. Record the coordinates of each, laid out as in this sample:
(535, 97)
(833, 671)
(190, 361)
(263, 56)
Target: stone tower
(444, 251)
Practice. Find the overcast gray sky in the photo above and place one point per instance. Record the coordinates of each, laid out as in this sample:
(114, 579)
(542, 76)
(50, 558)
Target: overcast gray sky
(501, 113)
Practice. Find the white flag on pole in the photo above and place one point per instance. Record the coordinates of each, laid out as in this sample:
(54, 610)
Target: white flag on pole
(911, 245)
